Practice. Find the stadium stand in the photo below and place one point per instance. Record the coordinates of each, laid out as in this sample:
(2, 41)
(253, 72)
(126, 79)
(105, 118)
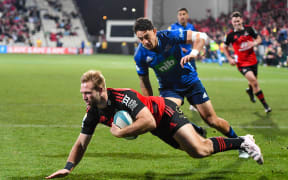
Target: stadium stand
(55, 23)
(61, 23)
(40, 23)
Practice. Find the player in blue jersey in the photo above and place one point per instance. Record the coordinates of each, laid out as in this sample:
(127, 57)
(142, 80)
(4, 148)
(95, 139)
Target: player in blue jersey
(177, 78)
(183, 24)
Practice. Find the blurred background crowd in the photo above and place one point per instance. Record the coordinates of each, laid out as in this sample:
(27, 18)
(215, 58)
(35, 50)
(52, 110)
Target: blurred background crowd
(269, 18)
(51, 23)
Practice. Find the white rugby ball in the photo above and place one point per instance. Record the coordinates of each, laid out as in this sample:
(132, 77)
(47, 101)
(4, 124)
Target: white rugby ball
(122, 119)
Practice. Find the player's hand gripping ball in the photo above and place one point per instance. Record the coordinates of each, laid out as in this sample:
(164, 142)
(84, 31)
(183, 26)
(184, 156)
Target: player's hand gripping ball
(123, 119)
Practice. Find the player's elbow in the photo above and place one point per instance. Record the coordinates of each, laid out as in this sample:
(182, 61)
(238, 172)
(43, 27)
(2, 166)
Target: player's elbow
(195, 35)
(151, 124)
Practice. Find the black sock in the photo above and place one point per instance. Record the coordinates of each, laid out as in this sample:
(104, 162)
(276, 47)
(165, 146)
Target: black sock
(224, 144)
(260, 96)
(250, 90)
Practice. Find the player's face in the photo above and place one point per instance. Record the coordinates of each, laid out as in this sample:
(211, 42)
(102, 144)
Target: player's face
(90, 95)
(237, 23)
(148, 38)
(182, 17)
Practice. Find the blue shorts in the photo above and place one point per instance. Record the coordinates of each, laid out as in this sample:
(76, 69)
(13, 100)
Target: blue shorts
(195, 94)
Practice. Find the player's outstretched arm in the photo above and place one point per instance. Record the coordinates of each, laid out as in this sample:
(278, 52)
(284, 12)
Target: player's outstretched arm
(74, 157)
(228, 55)
(198, 40)
(145, 85)
(58, 174)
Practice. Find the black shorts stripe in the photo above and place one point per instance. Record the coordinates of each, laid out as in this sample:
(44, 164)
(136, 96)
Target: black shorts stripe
(253, 68)
(172, 120)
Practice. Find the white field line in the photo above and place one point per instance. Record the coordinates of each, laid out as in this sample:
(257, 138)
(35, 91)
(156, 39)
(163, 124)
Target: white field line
(229, 79)
(79, 126)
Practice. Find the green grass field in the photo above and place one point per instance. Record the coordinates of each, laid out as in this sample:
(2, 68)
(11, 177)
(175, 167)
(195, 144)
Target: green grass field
(41, 111)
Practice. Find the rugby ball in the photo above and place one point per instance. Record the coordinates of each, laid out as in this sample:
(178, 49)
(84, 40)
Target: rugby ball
(122, 119)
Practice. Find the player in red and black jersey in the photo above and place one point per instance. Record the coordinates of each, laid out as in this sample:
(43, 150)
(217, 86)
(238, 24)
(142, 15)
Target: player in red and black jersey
(157, 115)
(243, 39)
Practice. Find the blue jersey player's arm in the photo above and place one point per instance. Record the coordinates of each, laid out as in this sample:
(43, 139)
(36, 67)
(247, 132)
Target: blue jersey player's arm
(197, 39)
(143, 72)
(186, 48)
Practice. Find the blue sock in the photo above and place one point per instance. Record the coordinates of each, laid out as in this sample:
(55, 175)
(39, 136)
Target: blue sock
(231, 133)
(199, 130)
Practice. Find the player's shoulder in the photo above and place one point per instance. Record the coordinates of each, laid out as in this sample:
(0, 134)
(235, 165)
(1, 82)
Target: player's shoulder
(173, 26)
(231, 31)
(191, 26)
(250, 29)
(120, 91)
(139, 52)
(112, 90)
(167, 34)
(228, 35)
(125, 98)
(164, 32)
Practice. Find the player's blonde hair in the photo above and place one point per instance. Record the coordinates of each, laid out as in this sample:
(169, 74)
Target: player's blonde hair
(96, 77)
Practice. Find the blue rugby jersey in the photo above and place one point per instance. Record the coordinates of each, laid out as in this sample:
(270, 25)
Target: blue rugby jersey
(189, 26)
(165, 61)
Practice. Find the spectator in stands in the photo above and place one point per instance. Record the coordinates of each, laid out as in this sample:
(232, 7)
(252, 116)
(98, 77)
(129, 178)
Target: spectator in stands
(82, 47)
(59, 43)
(74, 14)
(270, 56)
(39, 42)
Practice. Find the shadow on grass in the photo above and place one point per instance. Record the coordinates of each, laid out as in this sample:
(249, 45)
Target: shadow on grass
(196, 172)
(263, 122)
(127, 155)
(196, 118)
(227, 171)
(230, 171)
(148, 175)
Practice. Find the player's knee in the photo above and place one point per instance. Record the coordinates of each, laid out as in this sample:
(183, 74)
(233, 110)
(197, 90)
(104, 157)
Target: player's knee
(199, 152)
(254, 83)
(203, 149)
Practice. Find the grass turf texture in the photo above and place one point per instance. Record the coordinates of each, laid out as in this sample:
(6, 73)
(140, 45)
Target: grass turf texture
(41, 111)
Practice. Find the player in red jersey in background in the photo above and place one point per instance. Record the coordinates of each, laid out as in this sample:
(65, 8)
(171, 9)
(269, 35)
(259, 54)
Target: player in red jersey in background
(154, 114)
(243, 39)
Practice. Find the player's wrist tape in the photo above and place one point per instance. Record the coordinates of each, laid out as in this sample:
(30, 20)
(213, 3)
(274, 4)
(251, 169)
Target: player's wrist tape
(69, 166)
(194, 52)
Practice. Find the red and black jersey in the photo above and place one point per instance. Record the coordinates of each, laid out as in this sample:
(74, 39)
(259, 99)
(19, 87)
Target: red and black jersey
(245, 56)
(122, 99)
